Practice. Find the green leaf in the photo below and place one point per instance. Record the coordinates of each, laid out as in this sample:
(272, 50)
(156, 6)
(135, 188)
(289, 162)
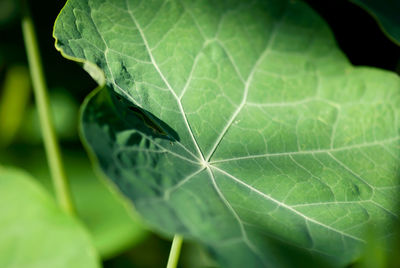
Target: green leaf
(233, 123)
(112, 225)
(34, 232)
(386, 13)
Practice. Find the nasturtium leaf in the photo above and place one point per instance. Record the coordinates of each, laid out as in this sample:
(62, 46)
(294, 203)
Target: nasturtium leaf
(234, 122)
(34, 232)
(386, 14)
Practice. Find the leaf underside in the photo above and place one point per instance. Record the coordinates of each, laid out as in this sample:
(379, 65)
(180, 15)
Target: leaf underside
(233, 123)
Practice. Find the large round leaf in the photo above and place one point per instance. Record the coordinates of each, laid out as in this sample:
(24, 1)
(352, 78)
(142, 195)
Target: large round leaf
(233, 122)
(34, 232)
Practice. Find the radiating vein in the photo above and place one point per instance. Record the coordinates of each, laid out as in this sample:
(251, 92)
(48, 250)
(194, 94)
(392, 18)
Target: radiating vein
(245, 92)
(343, 165)
(306, 152)
(265, 196)
(168, 191)
(236, 216)
(165, 149)
(165, 81)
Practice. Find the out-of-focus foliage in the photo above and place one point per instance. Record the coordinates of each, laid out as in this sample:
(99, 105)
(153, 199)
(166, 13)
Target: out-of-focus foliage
(65, 117)
(112, 224)
(8, 11)
(34, 232)
(14, 98)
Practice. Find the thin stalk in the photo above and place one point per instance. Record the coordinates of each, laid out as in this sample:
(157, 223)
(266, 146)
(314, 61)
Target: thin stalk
(59, 179)
(175, 251)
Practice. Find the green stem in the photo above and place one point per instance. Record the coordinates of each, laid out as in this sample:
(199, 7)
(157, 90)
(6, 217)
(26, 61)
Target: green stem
(40, 91)
(175, 251)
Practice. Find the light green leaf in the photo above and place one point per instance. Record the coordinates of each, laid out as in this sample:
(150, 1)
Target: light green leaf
(386, 13)
(34, 232)
(112, 225)
(234, 122)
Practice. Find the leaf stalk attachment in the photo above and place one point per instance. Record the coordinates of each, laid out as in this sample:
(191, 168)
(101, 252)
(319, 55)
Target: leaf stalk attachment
(175, 251)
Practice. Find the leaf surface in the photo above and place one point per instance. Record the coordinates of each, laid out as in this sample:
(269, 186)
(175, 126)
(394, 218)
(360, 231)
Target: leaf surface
(34, 232)
(234, 122)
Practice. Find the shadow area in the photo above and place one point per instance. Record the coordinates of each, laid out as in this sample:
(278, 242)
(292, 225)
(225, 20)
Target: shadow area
(134, 117)
(125, 139)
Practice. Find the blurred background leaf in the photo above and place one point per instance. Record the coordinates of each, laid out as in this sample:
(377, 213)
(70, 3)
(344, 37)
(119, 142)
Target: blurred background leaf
(65, 115)
(34, 232)
(113, 225)
(8, 11)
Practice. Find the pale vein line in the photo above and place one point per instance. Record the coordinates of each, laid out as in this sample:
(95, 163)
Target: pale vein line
(283, 104)
(286, 206)
(168, 191)
(170, 29)
(312, 175)
(339, 149)
(169, 151)
(390, 153)
(107, 64)
(128, 56)
(151, 85)
(236, 216)
(121, 150)
(123, 90)
(384, 209)
(193, 18)
(235, 67)
(343, 165)
(189, 79)
(245, 93)
(165, 80)
(334, 127)
(154, 15)
(355, 202)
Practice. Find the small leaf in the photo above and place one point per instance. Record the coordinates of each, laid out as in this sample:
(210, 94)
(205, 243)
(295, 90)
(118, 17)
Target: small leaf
(34, 232)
